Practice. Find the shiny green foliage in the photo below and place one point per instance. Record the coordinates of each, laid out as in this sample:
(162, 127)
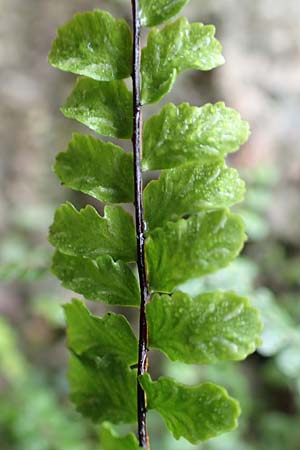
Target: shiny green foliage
(190, 189)
(91, 336)
(189, 230)
(100, 169)
(86, 233)
(103, 389)
(215, 326)
(194, 247)
(185, 133)
(155, 12)
(196, 413)
(110, 440)
(80, 47)
(103, 279)
(103, 107)
(177, 47)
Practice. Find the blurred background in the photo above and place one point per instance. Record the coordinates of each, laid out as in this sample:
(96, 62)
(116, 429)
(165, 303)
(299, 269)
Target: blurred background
(261, 79)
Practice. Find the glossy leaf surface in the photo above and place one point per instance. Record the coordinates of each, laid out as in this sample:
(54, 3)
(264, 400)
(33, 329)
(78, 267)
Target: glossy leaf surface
(190, 189)
(100, 169)
(177, 47)
(93, 44)
(93, 336)
(104, 279)
(86, 233)
(196, 413)
(155, 12)
(110, 440)
(189, 248)
(104, 390)
(184, 133)
(217, 326)
(103, 107)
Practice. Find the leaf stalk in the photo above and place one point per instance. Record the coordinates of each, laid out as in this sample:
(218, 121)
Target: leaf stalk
(140, 226)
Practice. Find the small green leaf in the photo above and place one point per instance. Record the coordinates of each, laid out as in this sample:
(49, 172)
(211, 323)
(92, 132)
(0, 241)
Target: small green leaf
(86, 233)
(110, 440)
(155, 12)
(210, 132)
(217, 326)
(190, 248)
(190, 189)
(196, 413)
(100, 169)
(93, 44)
(93, 336)
(104, 389)
(177, 47)
(103, 107)
(22, 271)
(106, 280)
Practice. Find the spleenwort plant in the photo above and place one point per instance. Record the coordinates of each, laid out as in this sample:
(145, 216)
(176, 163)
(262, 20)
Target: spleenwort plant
(183, 227)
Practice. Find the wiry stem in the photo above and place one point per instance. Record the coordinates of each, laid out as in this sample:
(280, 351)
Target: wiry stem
(139, 215)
